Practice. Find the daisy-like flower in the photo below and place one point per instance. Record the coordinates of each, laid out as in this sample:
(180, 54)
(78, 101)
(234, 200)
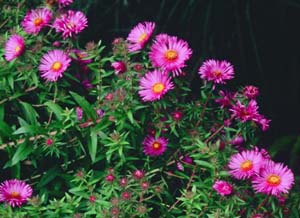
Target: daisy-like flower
(154, 85)
(169, 53)
(70, 23)
(245, 113)
(82, 57)
(223, 187)
(154, 146)
(53, 65)
(64, 3)
(35, 20)
(250, 92)
(14, 192)
(217, 71)
(139, 35)
(14, 47)
(245, 164)
(274, 179)
(226, 98)
(262, 121)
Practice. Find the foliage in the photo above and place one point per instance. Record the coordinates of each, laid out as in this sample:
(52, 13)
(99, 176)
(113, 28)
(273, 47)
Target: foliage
(93, 165)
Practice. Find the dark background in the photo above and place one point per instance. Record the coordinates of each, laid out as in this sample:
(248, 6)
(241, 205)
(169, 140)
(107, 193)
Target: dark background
(260, 37)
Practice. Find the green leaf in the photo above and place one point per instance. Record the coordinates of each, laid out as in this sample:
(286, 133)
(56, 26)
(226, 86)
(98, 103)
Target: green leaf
(21, 153)
(130, 116)
(92, 146)
(55, 108)
(30, 113)
(85, 105)
(47, 177)
(5, 129)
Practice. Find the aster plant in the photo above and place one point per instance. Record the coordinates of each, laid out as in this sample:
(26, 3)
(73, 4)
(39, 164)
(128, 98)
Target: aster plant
(117, 131)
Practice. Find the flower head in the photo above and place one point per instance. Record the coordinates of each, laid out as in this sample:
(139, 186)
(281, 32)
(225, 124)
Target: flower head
(35, 20)
(14, 192)
(82, 56)
(63, 3)
(139, 35)
(154, 146)
(14, 47)
(274, 179)
(119, 67)
(70, 23)
(223, 187)
(245, 113)
(262, 121)
(170, 53)
(216, 71)
(226, 99)
(154, 85)
(245, 164)
(54, 64)
(250, 92)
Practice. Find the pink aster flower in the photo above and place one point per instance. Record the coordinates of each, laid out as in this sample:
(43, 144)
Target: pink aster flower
(274, 179)
(139, 35)
(170, 53)
(70, 23)
(216, 71)
(154, 146)
(35, 20)
(250, 92)
(244, 113)
(245, 164)
(119, 67)
(53, 64)
(154, 85)
(63, 3)
(14, 47)
(223, 187)
(262, 121)
(226, 98)
(14, 192)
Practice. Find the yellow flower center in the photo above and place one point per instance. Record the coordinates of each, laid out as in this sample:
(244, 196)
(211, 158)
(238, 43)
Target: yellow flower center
(158, 88)
(156, 145)
(14, 194)
(17, 49)
(37, 21)
(246, 165)
(217, 73)
(142, 37)
(273, 180)
(70, 25)
(56, 66)
(171, 55)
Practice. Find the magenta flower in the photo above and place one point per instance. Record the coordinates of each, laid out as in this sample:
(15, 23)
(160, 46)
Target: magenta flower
(226, 98)
(139, 35)
(250, 92)
(245, 164)
(245, 113)
(79, 113)
(223, 187)
(154, 146)
(170, 53)
(154, 85)
(54, 64)
(63, 3)
(237, 140)
(35, 20)
(274, 179)
(217, 71)
(119, 67)
(177, 115)
(70, 23)
(14, 192)
(14, 47)
(262, 121)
